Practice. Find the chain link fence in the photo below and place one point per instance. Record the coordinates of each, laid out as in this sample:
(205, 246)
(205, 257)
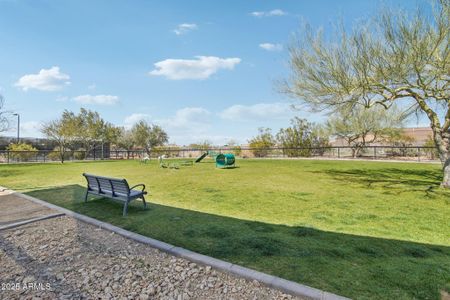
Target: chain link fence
(407, 153)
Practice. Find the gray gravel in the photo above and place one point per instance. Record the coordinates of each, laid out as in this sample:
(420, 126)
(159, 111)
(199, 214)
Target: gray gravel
(68, 259)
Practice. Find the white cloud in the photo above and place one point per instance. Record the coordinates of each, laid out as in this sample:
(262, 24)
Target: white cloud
(62, 99)
(271, 47)
(132, 119)
(186, 122)
(189, 125)
(257, 14)
(30, 126)
(187, 118)
(46, 80)
(185, 28)
(272, 13)
(27, 129)
(260, 111)
(97, 99)
(200, 68)
(276, 12)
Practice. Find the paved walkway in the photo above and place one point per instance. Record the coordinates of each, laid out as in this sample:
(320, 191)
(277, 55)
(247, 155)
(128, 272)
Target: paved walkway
(68, 259)
(14, 209)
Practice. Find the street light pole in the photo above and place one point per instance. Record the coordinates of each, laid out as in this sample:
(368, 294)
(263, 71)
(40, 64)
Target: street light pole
(18, 127)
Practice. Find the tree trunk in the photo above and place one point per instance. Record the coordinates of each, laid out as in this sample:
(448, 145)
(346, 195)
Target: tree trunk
(61, 154)
(446, 179)
(441, 139)
(355, 152)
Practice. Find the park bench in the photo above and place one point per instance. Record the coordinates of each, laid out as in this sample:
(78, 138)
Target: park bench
(114, 188)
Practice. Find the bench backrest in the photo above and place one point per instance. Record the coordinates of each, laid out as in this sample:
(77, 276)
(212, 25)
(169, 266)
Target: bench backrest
(107, 185)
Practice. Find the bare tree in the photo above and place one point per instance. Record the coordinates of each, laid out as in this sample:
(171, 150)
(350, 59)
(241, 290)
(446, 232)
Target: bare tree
(392, 58)
(61, 132)
(4, 121)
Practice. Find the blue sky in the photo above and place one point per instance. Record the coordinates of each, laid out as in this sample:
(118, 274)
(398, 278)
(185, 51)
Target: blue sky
(201, 69)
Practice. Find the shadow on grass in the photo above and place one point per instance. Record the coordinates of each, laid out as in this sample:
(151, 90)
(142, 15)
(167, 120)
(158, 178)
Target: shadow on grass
(398, 179)
(228, 168)
(353, 266)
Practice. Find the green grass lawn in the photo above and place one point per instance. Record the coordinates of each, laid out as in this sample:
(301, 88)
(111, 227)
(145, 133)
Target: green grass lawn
(359, 229)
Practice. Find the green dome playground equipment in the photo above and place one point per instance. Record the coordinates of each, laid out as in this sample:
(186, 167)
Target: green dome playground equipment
(225, 160)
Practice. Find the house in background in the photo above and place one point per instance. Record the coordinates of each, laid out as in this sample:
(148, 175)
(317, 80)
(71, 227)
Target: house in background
(419, 136)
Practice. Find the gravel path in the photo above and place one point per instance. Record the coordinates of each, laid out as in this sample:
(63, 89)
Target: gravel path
(68, 259)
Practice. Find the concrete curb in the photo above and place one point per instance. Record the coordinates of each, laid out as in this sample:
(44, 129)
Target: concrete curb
(281, 284)
(17, 224)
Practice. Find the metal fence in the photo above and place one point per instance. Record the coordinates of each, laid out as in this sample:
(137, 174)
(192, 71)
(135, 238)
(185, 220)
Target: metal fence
(406, 153)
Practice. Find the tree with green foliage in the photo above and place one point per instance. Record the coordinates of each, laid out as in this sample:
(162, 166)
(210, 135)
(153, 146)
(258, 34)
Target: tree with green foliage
(86, 128)
(125, 140)
(111, 133)
(108, 134)
(362, 126)
(301, 138)
(93, 129)
(391, 58)
(260, 145)
(148, 136)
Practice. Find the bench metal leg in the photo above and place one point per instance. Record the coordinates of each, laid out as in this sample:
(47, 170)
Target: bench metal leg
(125, 209)
(86, 196)
(145, 203)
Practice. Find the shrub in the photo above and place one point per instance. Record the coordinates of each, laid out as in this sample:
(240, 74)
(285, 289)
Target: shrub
(79, 154)
(24, 151)
(261, 144)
